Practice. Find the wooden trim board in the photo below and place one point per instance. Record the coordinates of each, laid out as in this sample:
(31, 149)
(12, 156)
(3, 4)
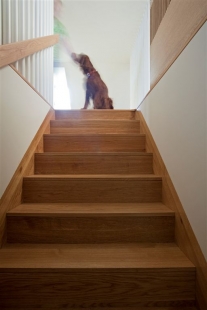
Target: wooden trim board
(184, 234)
(9, 53)
(181, 22)
(157, 12)
(12, 195)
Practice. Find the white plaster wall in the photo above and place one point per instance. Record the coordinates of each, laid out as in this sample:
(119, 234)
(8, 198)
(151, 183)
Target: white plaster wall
(115, 75)
(22, 112)
(140, 63)
(176, 114)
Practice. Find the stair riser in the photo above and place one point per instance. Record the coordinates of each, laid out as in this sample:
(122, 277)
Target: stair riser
(91, 190)
(96, 289)
(87, 143)
(90, 229)
(94, 127)
(95, 114)
(93, 164)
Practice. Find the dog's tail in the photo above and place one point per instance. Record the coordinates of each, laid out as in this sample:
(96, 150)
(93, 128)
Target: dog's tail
(107, 103)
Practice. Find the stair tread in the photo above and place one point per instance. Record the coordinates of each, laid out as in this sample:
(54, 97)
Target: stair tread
(96, 120)
(95, 134)
(96, 256)
(95, 153)
(95, 114)
(95, 176)
(88, 209)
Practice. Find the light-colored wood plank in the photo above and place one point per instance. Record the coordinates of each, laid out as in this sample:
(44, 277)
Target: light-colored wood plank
(93, 163)
(99, 223)
(181, 22)
(157, 12)
(9, 53)
(94, 143)
(99, 209)
(94, 114)
(97, 256)
(95, 126)
(92, 188)
(12, 196)
(185, 236)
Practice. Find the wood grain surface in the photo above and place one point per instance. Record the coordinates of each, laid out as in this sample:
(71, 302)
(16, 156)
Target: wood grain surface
(94, 143)
(94, 163)
(93, 223)
(95, 114)
(94, 275)
(93, 188)
(94, 126)
(83, 209)
(61, 257)
(9, 53)
(108, 238)
(157, 12)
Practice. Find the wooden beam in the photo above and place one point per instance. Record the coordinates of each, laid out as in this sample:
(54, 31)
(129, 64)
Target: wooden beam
(181, 22)
(9, 53)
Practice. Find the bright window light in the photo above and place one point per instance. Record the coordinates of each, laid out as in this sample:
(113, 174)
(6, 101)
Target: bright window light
(61, 94)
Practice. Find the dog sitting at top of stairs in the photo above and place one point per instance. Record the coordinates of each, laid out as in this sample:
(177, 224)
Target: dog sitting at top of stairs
(92, 231)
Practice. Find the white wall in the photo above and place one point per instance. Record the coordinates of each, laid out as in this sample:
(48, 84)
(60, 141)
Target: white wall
(140, 63)
(115, 75)
(176, 114)
(22, 112)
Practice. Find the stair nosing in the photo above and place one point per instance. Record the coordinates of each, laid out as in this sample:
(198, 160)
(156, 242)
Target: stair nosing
(114, 257)
(94, 134)
(151, 177)
(96, 153)
(93, 209)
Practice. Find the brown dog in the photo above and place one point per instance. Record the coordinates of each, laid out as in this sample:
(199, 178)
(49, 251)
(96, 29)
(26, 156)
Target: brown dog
(96, 89)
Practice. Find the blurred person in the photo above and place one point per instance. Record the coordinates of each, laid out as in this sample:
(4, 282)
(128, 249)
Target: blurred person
(61, 30)
(61, 95)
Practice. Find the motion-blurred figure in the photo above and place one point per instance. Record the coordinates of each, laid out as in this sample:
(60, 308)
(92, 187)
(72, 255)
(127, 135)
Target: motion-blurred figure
(61, 95)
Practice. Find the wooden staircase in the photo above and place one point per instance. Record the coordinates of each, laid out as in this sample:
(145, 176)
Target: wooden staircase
(92, 232)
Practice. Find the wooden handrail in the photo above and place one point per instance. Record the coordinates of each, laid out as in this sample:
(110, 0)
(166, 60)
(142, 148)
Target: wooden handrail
(9, 53)
(173, 35)
(181, 22)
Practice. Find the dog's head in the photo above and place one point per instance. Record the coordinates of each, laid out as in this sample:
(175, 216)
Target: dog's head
(84, 62)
